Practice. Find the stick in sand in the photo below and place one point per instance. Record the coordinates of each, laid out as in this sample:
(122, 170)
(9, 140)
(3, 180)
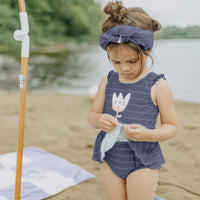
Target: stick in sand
(22, 35)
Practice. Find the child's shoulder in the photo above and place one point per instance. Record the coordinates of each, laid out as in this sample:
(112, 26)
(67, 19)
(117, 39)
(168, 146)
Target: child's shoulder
(157, 78)
(159, 82)
(161, 91)
(103, 82)
(111, 75)
(160, 85)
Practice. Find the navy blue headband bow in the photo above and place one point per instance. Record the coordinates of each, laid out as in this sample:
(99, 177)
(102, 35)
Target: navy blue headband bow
(125, 34)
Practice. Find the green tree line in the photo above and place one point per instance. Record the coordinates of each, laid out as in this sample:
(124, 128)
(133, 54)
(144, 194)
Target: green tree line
(52, 20)
(172, 32)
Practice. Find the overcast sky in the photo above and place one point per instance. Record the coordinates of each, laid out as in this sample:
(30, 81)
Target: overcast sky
(169, 12)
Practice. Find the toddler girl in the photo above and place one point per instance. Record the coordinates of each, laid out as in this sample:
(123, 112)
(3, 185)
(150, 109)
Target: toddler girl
(126, 107)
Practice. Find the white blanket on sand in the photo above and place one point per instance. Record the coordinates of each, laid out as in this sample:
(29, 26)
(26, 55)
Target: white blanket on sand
(43, 174)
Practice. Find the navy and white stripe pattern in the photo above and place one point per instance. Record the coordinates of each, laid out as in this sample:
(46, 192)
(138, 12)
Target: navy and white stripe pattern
(140, 110)
(122, 160)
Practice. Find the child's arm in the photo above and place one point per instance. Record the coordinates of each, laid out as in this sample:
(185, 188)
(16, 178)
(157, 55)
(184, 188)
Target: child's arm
(169, 121)
(96, 118)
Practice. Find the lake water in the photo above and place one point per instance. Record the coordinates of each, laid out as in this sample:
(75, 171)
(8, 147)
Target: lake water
(75, 72)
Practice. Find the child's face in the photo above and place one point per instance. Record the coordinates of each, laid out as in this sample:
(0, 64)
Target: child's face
(126, 62)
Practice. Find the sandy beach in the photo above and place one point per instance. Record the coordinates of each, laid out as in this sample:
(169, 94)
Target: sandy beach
(57, 124)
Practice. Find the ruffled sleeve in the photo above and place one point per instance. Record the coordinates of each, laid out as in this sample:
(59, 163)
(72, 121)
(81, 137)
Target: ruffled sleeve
(112, 76)
(159, 76)
(111, 73)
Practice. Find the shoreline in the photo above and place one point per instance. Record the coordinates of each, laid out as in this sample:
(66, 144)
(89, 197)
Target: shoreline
(45, 91)
(58, 47)
(55, 122)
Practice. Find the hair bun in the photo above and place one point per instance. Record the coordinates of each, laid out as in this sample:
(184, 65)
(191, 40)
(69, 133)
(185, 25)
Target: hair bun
(116, 10)
(156, 26)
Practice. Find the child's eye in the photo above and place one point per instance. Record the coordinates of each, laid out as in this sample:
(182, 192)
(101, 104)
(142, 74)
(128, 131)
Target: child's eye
(116, 63)
(132, 61)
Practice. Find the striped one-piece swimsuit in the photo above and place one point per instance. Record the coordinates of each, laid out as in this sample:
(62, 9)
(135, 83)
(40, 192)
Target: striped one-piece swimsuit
(126, 157)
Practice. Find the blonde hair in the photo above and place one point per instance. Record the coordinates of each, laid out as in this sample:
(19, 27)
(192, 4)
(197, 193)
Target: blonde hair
(119, 15)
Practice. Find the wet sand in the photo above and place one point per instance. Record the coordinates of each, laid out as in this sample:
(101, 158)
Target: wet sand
(57, 123)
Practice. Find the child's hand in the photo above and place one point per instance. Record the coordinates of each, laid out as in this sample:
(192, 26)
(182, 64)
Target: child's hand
(107, 122)
(136, 132)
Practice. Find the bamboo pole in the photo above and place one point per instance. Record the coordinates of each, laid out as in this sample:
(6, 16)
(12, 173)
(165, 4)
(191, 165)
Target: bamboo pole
(22, 6)
(22, 35)
(21, 123)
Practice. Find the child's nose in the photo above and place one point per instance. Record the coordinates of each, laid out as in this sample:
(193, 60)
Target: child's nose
(125, 68)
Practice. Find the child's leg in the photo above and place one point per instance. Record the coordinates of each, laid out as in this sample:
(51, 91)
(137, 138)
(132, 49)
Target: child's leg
(141, 184)
(114, 186)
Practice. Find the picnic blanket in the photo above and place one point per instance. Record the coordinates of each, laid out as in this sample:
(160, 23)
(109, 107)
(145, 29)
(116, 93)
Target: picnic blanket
(43, 174)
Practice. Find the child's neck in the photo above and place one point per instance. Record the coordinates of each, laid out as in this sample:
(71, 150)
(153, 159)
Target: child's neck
(146, 70)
